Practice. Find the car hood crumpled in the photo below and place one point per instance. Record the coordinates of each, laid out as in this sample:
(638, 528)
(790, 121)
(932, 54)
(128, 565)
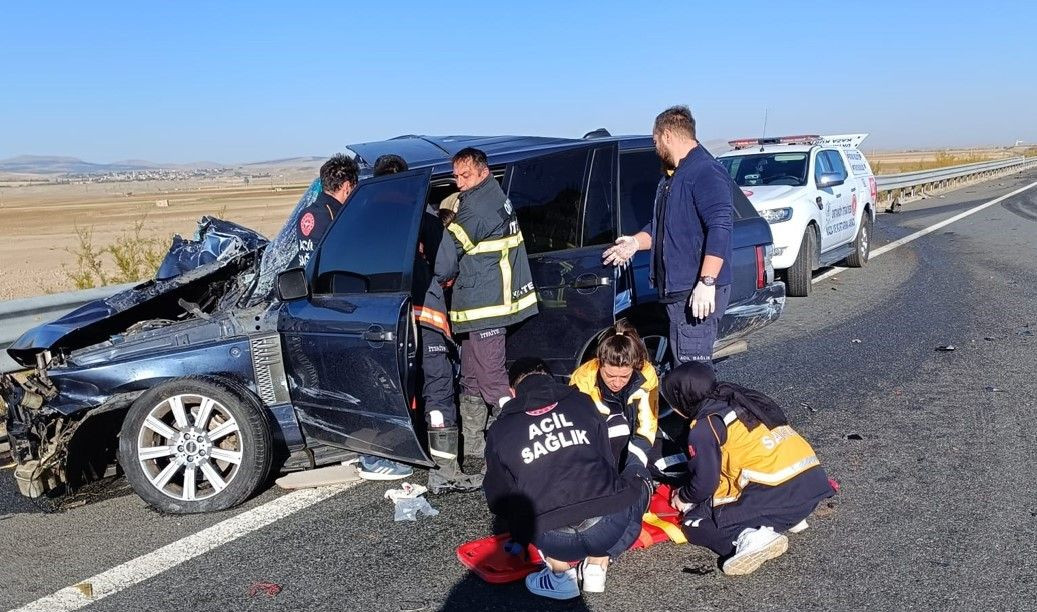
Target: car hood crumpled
(210, 255)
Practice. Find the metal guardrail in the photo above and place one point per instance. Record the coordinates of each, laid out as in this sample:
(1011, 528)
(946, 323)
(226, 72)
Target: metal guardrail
(21, 315)
(908, 185)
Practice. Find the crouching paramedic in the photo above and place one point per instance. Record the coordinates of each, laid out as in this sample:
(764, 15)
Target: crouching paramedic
(750, 475)
(552, 480)
(494, 289)
(625, 389)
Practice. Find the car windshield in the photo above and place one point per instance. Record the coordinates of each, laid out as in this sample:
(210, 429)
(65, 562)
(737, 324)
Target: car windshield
(283, 249)
(767, 169)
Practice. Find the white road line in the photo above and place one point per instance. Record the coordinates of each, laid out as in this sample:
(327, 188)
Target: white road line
(154, 563)
(932, 228)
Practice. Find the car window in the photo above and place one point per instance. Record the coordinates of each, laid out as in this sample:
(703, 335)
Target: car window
(767, 169)
(835, 161)
(597, 212)
(639, 173)
(547, 193)
(821, 166)
(370, 247)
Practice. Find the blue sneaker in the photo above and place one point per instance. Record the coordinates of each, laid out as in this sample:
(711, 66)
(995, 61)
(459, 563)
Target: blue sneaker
(377, 468)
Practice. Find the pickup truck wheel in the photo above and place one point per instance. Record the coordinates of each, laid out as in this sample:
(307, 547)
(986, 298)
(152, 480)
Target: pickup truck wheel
(801, 275)
(861, 244)
(196, 445)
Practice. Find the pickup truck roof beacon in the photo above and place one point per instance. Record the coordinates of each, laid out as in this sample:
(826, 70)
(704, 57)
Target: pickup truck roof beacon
(817, 192)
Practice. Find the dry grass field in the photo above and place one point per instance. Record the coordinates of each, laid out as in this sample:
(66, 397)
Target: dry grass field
(38, 223)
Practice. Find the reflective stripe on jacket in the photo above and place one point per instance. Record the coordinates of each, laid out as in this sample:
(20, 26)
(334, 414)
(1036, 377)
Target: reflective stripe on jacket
(494, 287)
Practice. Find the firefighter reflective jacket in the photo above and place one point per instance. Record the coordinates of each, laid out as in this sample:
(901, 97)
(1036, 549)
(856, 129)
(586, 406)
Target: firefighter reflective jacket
(724, 456)
(435, 265)
(634, 425)
(494, 287)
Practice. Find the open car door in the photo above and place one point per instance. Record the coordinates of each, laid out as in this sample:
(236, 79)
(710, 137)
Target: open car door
(351, 344)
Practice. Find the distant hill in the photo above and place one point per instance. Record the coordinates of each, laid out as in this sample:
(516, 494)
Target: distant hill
(57, 165)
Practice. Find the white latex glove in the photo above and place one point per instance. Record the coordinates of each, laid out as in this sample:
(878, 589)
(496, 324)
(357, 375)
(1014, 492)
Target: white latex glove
(678, 505)
(703, 300)
(622, 252)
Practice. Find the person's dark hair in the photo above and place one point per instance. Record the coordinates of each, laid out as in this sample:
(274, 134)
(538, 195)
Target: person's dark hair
(621, 346)
(471, 155)
(447, 216)
(336, 171)
(389, 164)
(526, 366)
(677, 119)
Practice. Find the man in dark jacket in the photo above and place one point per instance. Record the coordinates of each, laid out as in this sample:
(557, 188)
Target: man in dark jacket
(494, 289)
(689, 236)
(552, 480)
(338, 178)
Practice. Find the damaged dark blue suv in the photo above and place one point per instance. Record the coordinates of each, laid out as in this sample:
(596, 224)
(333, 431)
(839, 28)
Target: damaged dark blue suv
(201, 381)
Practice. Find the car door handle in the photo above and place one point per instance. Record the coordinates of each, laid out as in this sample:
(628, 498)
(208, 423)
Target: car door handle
(591, 281)
(377, 334)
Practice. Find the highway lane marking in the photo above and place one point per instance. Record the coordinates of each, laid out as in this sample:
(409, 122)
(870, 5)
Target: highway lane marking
(932, 228)
(149, 565)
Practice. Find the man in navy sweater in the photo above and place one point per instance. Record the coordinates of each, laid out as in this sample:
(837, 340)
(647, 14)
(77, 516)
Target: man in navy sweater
(689, 236)
(551, 480)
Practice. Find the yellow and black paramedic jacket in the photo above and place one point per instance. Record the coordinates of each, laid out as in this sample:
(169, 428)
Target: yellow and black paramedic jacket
(724, 456)
(494, 287)
(633, 427)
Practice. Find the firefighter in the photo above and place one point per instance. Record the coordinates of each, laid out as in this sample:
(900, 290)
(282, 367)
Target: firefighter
(435, 266)
(625, 389)
(751, 477)
(338, 178)
(493, 289)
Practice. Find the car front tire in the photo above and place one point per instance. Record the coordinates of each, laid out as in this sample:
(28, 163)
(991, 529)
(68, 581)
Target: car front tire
(800, 276)
(196, 445)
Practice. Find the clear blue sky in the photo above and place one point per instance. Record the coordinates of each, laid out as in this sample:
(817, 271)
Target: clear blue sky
(248, 81)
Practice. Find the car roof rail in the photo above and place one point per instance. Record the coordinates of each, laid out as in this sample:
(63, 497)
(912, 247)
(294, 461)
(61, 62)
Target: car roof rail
(598, 133)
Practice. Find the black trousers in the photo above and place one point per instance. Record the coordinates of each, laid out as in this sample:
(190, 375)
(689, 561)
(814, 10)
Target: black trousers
(438, 375)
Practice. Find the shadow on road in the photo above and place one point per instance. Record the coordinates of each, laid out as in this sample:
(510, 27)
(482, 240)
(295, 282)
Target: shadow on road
(472, 594)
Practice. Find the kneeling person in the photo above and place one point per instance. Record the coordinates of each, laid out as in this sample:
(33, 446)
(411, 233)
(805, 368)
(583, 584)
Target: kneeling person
(552, 480)
(750, 475)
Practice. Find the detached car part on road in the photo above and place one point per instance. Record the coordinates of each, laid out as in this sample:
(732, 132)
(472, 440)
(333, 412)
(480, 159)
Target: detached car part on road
(201, 380)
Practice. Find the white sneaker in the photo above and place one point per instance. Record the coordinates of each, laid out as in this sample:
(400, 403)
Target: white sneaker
(556, 586)
(593, 577)
(799, 527)
(753, 547)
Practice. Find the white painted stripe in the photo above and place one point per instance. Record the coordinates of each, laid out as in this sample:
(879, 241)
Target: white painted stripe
(154, 563)
(932, 228)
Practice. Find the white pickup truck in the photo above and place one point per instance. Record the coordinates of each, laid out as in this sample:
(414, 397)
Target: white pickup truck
(818, 194)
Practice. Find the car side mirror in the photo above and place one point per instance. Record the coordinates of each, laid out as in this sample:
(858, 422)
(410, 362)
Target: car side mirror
(292, 285)
(830, 179)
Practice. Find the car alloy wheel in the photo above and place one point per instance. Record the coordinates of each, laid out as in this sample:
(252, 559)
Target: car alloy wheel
(863, 242)
(659, 354)
(189, 447)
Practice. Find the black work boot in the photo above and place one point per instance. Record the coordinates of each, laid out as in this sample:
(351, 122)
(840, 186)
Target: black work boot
(473, 425)
(448, 477)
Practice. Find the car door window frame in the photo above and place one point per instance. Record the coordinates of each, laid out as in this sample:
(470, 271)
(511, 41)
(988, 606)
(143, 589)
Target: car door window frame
(510, 178)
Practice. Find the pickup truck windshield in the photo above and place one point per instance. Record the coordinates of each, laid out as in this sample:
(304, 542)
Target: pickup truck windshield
(767, 169)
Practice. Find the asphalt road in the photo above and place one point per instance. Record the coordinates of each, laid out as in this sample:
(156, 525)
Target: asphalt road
(938, 508)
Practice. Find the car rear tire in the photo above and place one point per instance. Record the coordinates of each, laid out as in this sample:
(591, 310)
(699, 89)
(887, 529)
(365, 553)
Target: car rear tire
(196, 445)
(861, 244)
(800, 276)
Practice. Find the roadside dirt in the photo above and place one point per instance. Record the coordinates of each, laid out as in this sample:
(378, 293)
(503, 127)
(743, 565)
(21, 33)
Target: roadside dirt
(38, 223)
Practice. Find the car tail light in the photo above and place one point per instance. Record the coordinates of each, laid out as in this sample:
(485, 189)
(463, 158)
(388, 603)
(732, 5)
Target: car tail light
(874, 189)
(761, 268)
